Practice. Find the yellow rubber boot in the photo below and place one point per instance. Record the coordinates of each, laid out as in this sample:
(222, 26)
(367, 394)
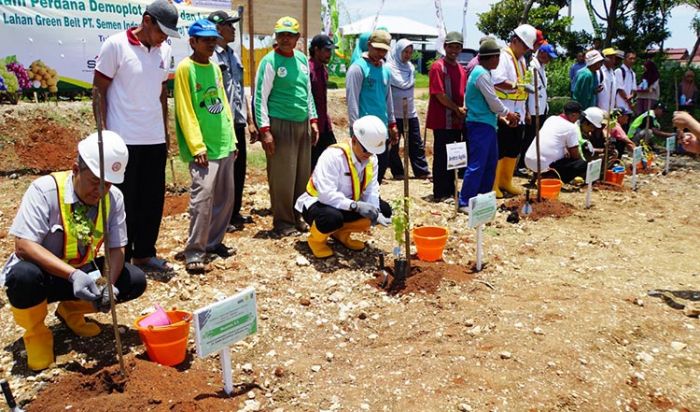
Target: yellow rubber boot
(71, 313)
(497, 179)
(509, 164)
(38, 340)
(343, 234)
(317, 243)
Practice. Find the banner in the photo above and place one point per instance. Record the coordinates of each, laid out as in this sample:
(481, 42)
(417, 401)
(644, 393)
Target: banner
(442, 33)
(464, 21)
(66, 35)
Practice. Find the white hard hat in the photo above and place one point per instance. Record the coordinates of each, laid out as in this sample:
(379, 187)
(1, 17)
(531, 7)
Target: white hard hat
(116, 155)
(371, 132)
(593, 57)
(595, 115)
(527, 34)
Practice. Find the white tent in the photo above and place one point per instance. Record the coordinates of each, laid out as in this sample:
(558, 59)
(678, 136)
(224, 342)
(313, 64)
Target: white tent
(397, 26)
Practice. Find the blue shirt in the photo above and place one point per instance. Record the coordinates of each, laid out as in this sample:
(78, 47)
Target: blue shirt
(375, 87)
(573, 71)
(478, 109)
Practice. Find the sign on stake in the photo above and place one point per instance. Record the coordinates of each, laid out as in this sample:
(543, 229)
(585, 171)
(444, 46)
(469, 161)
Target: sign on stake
(636, 158)
(482, 209)
(670, 147)
(221, 324)
(456, 159)
(592, 174)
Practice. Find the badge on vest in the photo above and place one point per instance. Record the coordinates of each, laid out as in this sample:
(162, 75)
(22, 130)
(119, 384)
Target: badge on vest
(282, 72)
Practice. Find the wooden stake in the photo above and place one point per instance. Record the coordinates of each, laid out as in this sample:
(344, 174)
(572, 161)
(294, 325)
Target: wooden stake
(305, 27)
(251, 47)
(406, 193)
(537, 136)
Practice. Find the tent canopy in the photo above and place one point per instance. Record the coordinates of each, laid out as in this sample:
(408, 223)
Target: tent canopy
(398, 26)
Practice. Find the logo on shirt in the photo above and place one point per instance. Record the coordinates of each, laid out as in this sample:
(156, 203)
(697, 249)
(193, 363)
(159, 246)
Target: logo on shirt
(211, 101)
(282, 72)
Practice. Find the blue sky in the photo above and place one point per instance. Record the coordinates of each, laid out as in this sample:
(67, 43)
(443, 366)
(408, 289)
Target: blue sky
(424, 11)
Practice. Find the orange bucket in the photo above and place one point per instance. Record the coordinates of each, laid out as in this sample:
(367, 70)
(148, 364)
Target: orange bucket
(430, 242)
(550, 188)
(614, 178)
(166, 345)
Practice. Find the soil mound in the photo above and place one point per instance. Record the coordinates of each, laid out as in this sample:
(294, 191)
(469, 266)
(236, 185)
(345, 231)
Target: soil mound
(46, 146)
(545, 208)
(425, 277)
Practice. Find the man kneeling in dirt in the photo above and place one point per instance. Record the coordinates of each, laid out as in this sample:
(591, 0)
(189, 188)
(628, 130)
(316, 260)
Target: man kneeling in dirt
(342, 195)
(58, 233)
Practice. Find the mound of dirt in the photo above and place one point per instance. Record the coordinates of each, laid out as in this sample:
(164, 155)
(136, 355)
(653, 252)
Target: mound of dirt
(45, 145)
(425, 277)
(545, 208)
(176, 204)
(148, 386)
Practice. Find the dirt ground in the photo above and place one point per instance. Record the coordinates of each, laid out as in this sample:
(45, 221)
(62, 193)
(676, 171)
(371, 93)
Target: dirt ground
(559, 319)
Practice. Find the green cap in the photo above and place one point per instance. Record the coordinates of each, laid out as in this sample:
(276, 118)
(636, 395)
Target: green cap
(489, 47)
(454, 37)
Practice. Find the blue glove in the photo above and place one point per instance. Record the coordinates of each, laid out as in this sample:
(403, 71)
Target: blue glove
(83, 286)
(368, 210)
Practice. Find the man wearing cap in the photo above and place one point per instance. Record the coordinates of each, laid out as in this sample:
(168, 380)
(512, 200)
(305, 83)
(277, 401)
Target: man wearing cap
(559, 141)
(606, 78)
(587, 88)
(446, 112)
(538, 112)
(58, 233)
(131, 74)
(483, 110)
(342, 195)
(284, 112)
(368, 90)
(510, 78)
(232, 72)
(638, 127)
(320, 51)
(626, 81)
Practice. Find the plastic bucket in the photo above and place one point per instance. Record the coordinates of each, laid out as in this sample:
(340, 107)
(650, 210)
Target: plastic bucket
(614, 178)
(430, 242)
(550, 188)
(166, 345)
(157, 318)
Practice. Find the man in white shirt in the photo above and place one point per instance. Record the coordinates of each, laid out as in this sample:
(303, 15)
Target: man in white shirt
(559, 148)
(131, 74)
(606, 78)
(626, 81)
(342, 195)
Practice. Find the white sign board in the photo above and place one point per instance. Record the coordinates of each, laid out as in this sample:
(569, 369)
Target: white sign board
(637, 154)
(482, 209)
(671, 143)
(456, 155)
(224, 323)
(593, 171)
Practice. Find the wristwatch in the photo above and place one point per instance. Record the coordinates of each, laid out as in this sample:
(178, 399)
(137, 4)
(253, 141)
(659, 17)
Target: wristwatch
(353, 207)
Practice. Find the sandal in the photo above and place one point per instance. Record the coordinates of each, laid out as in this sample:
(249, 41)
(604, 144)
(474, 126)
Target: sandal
(195, 266)
(155, 264)
(223, 250)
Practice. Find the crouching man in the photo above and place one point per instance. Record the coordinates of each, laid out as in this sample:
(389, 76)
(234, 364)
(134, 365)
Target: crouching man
(58, 233)
(342, 195)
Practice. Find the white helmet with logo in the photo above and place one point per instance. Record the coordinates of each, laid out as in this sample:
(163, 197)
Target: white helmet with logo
(527, 34)
(371, 132)
(596, 116)
(116, 155)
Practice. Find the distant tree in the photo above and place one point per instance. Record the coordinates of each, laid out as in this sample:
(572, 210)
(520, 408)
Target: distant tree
(694, 26)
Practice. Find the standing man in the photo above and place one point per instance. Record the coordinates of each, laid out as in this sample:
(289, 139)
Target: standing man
(543, 56)
(320, 51)
(587, 88)
(606, 78)
(232, 72)
(368, 90)
(285, 111)
(509, 78)
(446, 112)
(579, 64)
(131, 74)
(626, 81)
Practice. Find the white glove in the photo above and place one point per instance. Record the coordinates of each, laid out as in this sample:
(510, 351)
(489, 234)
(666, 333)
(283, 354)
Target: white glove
(384, 221)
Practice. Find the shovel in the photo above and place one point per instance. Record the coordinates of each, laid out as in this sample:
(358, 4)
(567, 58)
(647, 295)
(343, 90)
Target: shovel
(527, 207)
(9, 398)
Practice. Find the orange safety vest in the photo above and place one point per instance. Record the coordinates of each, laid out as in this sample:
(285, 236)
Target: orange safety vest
(357, 187)
(71, 251)
(519, 94)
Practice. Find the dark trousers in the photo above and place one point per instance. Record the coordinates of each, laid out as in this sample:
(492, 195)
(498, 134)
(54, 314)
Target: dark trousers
(239, 167)
(570, 168)
(509, 140)
(416, 151)
(482, 158)
(530, 133)
(329, 219)
(382, 163)
(144, 195)
(443, 179)
(325, 139)
(27, 285)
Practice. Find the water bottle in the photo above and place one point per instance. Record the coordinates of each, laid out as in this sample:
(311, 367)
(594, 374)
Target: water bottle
(644, 85)
(683, 100)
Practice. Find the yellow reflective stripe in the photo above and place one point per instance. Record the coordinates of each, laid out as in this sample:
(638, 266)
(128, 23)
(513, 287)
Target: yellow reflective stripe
(357, 187)
(519, 94)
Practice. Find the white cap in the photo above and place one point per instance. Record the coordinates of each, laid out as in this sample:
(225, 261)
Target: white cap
(593, 57)
(116, 155)
(595, 115)
(527, 34)
(371, 132)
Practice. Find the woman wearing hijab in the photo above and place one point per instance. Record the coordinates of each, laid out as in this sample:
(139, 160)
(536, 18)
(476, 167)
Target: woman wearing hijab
(360, 47)
(688, 91)
(648, 90)
(402, 86)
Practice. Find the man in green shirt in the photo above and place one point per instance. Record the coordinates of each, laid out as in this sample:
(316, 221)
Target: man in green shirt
(587, 88)
(286, 115)
(638, 128)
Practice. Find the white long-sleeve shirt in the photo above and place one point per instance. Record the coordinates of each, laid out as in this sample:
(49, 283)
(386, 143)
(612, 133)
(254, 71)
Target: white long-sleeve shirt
(333, 181)
(537, 69)
(627, 81)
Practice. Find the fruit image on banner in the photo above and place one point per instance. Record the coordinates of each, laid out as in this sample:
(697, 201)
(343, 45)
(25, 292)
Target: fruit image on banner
(42, 76)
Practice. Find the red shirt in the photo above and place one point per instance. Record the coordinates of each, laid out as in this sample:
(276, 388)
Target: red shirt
(443, 74)
(319, 89)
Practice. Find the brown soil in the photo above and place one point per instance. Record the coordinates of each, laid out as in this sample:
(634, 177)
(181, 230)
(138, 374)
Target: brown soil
(176, 204)
(545, 208)
(148, 386)
(44, 145)
(425, 277)
(609, 187)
